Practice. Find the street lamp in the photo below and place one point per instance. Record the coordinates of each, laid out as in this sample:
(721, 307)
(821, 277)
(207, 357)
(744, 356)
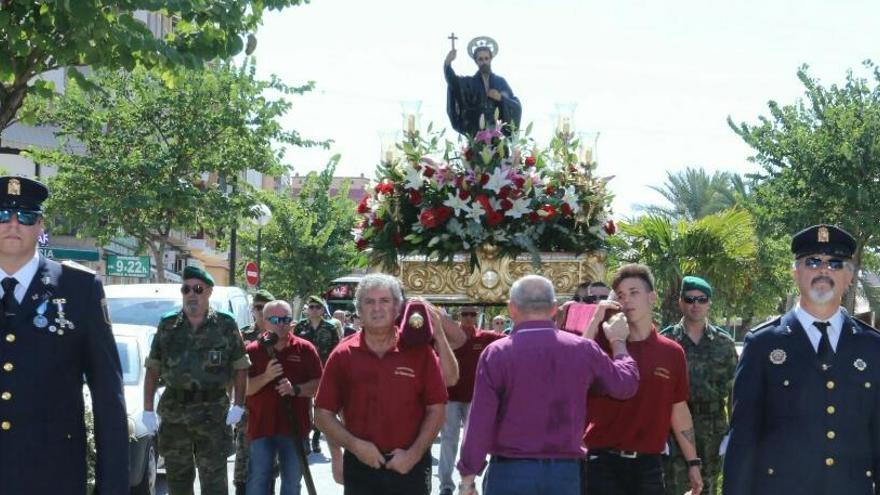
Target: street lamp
(262, 215)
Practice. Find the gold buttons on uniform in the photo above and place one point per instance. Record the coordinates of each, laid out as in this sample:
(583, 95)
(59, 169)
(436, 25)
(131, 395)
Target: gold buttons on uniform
(830, 409)
(785, 383)
(8, 366)
(5, 425)
(829, 461)
(5, 396)
(867, 384)
(830, 384)
(770, 471)
(10, 337)
(830, 435)
(868, 473)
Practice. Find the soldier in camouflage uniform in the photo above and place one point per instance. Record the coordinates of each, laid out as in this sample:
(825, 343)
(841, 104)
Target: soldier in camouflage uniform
(197, 352)
(711, 358)
(324, 336)
(251, 334)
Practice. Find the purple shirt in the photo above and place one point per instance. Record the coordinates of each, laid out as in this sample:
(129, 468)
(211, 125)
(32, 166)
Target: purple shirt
(530, 394)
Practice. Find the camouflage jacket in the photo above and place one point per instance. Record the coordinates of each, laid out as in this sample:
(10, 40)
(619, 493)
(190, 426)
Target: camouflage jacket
(711, 363)
(324, 338)
(203, 358)
(250, 334)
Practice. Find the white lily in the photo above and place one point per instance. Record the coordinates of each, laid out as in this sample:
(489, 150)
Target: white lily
(456, 203)
(497, 180)
(520, 207)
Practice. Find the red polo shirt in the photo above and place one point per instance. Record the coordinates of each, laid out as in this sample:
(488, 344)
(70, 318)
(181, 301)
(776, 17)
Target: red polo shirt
(468, 355)
(382, 399)
(640, 424)
(301, 364)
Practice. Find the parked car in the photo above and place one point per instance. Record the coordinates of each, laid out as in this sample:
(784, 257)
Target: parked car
(144, 304)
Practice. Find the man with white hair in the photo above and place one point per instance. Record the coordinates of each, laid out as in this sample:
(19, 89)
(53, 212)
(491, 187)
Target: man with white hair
(530, 398)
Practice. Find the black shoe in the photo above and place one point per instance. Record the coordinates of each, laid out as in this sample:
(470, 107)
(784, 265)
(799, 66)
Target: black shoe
(240, 488)
(316, 448)
(446, 491)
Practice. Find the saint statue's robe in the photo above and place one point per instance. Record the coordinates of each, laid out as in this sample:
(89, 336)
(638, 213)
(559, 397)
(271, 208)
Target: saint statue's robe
(467, 100)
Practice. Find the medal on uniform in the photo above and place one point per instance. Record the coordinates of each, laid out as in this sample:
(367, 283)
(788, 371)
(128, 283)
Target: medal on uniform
(61, 320)
(40, 321)
(777, 356)
(860, 364)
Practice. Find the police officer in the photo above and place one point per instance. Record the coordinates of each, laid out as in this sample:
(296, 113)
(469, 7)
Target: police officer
(251, 334)
(197, 352)
(323, 335)
(711, 359)
(54, 329)
(806, 398)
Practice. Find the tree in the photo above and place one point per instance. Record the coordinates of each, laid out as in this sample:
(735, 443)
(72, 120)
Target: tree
(693, 194)
(308, 241)
(821, 159)
(720, 247)
(36, 37)
(138, 155)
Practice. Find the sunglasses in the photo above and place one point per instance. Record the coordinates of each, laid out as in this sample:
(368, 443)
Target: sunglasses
(833, 264)
(24, 217)
(279, 319)
(468, 313)
(590, 299)
(315, 306)
(198, 289)
(695, 299)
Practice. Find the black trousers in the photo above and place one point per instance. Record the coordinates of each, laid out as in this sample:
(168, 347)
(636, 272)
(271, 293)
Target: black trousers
(361, 479)
(610, 474)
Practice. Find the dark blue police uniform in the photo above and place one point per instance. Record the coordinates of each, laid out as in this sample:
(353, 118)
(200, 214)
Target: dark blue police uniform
(59, 335)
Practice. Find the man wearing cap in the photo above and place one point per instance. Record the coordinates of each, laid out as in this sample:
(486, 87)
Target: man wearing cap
(711, 360)
(806, 398)
(460, 394)
(197, 352)
(251, 334)
(323, 335)
(54, 330)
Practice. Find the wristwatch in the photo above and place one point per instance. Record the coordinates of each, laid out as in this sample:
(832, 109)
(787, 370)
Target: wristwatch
(296, 390)
(466, 486)
(696, 461)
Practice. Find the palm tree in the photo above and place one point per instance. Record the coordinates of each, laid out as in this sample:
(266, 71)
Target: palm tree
(693, 193)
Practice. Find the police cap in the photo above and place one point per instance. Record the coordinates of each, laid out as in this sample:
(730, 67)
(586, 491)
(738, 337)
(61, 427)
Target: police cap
(196, 272)
(22, 193)
(823, 239)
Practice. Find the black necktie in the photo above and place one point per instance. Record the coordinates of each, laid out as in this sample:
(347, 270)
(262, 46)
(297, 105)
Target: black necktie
(10, 305)
(824, 350)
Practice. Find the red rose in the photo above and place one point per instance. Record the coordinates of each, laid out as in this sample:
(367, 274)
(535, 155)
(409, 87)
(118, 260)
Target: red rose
(434, 217)
(428, 172)
(566, 209)
(484, 202)
(445, 213)
(385, 187)
(610, 228)
(362, 207)
(530, 161)
(463, 195)
(548, 212)
(519, 182)
(534, 217)
(362, 244)
(494, 218)
(549, 190)
(484, 179)
(415, 197)
(469, 154)
(378, 223)
(506, 204)
(504, 192)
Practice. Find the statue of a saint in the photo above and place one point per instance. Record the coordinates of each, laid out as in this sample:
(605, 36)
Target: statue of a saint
(470, 99)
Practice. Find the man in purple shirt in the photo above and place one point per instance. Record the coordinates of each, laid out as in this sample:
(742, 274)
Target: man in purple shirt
(530, 397)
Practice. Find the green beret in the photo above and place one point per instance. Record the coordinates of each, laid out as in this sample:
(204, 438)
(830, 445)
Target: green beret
(315, 299)
(263, 296)
(695, 283)
(196, 272)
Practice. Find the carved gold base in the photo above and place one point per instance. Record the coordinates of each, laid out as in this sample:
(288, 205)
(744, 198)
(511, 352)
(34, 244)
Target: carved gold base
(456, 283)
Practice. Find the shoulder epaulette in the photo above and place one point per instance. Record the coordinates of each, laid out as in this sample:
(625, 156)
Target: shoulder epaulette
(170, 314)
(770, 323)
(76, 266)
(864, 325)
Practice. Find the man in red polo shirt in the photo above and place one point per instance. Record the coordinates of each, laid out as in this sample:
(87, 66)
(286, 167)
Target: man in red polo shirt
(392, 398)
(461, 394)
(625, 439)
(292, 375)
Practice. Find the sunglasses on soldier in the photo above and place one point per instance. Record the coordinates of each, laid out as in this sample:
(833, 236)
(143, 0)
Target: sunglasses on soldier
(695, 299)
(197, 288)
(24, 217)
(279, 319)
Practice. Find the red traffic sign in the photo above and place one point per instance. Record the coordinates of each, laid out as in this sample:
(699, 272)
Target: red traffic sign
(251, 274)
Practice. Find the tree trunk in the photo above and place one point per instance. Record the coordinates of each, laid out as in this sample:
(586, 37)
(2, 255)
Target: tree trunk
(849, 297)
(10, 105)
(159, 259)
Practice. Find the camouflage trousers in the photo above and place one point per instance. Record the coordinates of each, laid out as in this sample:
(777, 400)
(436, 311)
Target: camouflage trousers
(186, 446)
(709, 431)
(242, 451)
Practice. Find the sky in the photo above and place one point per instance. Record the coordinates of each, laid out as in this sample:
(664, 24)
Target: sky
(657, 80)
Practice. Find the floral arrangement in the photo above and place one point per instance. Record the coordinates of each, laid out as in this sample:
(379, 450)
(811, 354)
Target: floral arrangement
(496, 190)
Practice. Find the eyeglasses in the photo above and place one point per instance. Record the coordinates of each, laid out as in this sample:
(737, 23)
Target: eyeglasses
(468, 313)
(695, 299)
(279, 319)
(198, 289)
(592, 299)
(315, 306)
(24, 217)
(833, 264)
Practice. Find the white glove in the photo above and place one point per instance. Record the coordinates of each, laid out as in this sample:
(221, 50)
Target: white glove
(150, 421)
(234, 415)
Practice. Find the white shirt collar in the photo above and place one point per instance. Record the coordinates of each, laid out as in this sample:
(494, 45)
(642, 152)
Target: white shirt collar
(24, 275)
(806, 320)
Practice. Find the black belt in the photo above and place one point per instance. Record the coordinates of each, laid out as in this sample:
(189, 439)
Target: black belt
(626, 454)
(501, 458)
(184, 395)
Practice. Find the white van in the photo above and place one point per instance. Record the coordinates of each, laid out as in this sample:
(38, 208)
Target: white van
(144, 304)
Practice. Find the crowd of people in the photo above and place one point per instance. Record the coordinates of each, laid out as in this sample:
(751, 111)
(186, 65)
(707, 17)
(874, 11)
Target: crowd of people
(611, 405)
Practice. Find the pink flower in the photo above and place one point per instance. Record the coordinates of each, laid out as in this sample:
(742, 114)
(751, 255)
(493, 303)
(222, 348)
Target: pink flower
(486, 135)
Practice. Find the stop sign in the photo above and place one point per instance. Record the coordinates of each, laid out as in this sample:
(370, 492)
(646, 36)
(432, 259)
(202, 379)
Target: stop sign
(252, 274)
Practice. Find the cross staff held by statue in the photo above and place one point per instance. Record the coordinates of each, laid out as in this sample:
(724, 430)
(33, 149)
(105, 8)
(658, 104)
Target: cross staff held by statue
(452, 37)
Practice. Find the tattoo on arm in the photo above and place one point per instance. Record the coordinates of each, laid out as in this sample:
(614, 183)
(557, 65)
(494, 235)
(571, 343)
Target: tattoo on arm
(689, 436)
